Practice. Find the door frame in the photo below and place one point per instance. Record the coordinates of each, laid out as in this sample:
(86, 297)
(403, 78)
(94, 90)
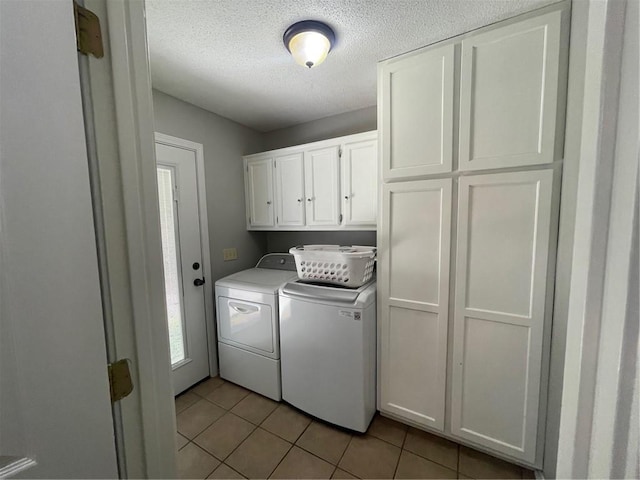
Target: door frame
(128, 47)
(207, 270)
(124, 135)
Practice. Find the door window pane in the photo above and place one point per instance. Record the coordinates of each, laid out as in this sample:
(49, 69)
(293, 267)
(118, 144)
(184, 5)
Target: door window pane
(170, 251)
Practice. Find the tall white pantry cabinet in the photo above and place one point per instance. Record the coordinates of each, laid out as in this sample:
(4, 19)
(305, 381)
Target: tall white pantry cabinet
(471, 135)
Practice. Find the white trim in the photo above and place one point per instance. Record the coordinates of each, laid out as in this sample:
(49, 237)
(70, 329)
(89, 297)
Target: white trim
(134, 118)
(603, 252)
(207, 269)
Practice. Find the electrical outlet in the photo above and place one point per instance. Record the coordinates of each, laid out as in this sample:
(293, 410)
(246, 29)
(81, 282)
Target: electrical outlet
(230, 254)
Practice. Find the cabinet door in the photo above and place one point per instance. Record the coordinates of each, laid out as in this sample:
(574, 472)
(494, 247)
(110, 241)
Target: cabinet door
(322, 177)
(289, 172)
(509, 94)
(413, 282)
(501, 287)
(260, 192)
(360, 183)
(417, 113)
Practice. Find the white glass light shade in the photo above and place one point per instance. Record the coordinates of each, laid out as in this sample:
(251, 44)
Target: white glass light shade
(310, 48)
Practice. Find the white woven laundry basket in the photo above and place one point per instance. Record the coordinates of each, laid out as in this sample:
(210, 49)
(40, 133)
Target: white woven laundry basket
(348, 266)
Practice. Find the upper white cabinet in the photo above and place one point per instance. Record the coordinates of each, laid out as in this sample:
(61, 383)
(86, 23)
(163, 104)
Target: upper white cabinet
(322, 185)
(508, 94)
(326, 185)
(290, 199)
(416, 113)
(360, 182)
(504, 227)
(259, 189)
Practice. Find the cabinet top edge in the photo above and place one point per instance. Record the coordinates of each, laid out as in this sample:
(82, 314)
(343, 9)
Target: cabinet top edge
(563, 7)
(368, 135)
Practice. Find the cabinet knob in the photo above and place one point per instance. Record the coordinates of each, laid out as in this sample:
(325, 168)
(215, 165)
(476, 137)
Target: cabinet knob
(308, 199)
(269, 202)
(346, 197)
(299, 200)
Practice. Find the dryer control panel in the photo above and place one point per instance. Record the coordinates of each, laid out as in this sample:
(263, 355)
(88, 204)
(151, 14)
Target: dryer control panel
(278, 261)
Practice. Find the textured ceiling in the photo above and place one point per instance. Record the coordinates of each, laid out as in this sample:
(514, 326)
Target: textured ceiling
(227, 56)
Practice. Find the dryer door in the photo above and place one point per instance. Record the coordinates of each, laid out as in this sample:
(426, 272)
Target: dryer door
(248, 325)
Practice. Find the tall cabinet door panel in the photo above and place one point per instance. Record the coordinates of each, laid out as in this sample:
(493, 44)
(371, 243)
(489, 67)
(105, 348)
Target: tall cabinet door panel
(508, 94)
(260, 192)
(360, 182)
(501, 271)
(289, 172)
(416, 114)
(322, 186)
(414, 295)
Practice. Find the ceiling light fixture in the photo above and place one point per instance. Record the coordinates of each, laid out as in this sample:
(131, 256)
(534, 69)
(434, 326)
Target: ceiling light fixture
(309, 42)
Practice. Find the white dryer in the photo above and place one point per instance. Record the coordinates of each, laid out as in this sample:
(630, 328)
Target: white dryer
(247, 321)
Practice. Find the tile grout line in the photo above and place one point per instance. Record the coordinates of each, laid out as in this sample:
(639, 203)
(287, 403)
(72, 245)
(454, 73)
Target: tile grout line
(214, 468)
(318, 456)
(238, 446)
(231, 468)
(242, 441)
(342, 456)
(281, 460)
(292, 443)
(404, 439)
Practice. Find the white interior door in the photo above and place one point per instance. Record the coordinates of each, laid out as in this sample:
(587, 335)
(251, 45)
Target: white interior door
(55, 413)
(184, 269)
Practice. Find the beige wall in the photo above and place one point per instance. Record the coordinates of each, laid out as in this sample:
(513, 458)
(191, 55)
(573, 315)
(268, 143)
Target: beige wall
(225, 142)
(357, 121)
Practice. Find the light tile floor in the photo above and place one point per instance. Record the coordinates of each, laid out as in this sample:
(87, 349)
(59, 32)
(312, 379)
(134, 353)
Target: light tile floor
(225, 431)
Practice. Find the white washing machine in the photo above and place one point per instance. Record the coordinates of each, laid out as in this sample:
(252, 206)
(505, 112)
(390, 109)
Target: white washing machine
(247, 321)
(328, 351)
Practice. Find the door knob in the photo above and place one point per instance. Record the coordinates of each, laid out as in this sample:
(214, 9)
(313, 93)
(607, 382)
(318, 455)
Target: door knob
(198, 282)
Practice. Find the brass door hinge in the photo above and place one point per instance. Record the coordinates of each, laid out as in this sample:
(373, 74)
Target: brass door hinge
(120, 382)
(88, 33)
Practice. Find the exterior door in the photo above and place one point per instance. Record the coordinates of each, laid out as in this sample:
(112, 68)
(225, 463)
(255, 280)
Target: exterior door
(184, 269)
(55, 412)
